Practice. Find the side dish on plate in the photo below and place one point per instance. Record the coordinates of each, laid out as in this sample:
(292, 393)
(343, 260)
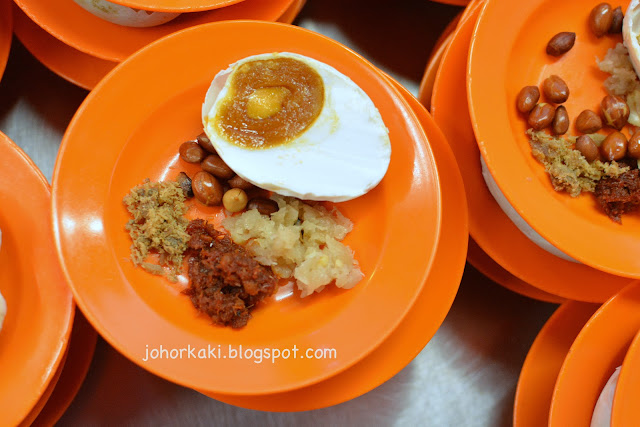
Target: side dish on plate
(602, 157)
(284, 136)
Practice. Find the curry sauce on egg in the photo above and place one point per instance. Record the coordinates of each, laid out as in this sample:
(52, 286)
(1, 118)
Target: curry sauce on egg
(270, 102)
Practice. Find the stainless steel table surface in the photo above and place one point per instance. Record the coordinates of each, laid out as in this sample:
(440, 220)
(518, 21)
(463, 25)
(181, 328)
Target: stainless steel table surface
(466, 375)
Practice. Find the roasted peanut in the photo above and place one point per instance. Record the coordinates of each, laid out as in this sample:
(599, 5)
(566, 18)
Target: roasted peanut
(185, 183)
(207, 188)
(600, 19)
(191, 152)
(561, 43)
(588, 122)
(527, 98)
(237, 182)
(234, 200)
(541, 116)
(264, 206)
(588, 148)
(217, 167)
(205, 143)
(555, 89)
(616, 21)
(633, 147)
(614, 146)
(615, 111)
(560, 124)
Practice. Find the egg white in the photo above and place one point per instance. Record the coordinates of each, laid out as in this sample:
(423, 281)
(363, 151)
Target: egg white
(123, 15)
(343, 154)
(515, 217)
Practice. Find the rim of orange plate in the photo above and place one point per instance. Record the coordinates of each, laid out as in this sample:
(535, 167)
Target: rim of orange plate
(177, 5)
(81, 30)
(40, 308)
(544, 360)
(599, 348)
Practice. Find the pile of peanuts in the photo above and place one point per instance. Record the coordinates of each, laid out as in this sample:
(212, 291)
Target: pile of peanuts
(603, 19)
(217, 183)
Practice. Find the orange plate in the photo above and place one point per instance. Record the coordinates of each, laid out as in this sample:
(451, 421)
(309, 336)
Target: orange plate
(574, 225)
(425, 316)
(292, 12)
(77, 67)
(176, 5)
(543, 362)
(488, 224)
(39, 304)
(429, 77)
(487, 266)
(81, 30)
(625, 403)
(132, 115)
(39, 406)
(72, 65)
(78, 359)
(5, 33)
(597, 351)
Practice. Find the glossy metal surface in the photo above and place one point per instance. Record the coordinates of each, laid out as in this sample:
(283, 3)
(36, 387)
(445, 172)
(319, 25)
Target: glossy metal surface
(466, 376)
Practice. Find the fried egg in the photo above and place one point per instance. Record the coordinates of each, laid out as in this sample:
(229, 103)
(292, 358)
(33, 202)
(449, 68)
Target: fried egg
(123, 15)
(298, 127)
(515, 217)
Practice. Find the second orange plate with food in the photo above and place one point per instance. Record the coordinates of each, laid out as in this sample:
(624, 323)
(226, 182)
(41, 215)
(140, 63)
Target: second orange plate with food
(139, 313)
(576, 226)
(489, 226)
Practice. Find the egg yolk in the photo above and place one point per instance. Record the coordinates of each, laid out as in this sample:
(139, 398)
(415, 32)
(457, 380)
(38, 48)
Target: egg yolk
(269, 102)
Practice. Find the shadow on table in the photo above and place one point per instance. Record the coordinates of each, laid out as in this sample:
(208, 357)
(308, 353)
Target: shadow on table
(117, 392)
(490, 330)
(27, 80)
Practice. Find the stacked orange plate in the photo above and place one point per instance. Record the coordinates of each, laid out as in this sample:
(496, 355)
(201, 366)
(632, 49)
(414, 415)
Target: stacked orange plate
(592, 259)
(82, 47)
(34, 335)
(572, 359)
(411, 274)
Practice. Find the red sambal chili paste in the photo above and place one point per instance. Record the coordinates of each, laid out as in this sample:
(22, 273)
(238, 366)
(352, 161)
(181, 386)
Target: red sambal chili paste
(226, 282)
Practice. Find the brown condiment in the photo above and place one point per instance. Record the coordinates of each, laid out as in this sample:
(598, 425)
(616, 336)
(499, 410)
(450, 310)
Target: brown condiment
(226, 283)
(270, 102)
(617, 195)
